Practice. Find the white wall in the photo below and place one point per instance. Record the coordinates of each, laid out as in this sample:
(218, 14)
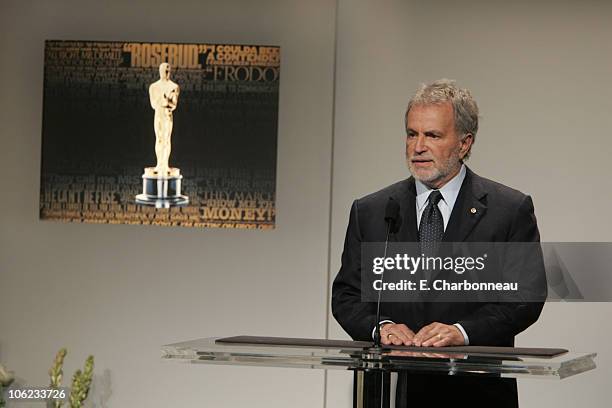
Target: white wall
(539, 71)
(116, 291)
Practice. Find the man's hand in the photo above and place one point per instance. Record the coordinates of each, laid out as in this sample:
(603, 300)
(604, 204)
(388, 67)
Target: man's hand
(438, 335)
(396, 334)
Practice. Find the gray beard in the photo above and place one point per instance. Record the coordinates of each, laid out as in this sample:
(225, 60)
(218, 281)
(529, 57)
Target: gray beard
(436, 174)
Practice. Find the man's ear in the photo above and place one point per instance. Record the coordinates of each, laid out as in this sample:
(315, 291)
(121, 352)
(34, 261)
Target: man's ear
(465, 145)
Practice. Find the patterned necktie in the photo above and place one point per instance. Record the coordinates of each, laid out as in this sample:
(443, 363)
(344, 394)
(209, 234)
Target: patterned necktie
(431, 229)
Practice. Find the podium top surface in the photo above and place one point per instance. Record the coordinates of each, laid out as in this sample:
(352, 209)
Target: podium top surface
(338, 354)
(347, 344)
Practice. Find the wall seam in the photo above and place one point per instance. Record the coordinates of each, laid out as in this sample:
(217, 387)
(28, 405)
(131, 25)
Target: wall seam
(331, 193)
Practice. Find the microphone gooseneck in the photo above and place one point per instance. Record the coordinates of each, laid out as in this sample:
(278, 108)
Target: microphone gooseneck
(393, 221)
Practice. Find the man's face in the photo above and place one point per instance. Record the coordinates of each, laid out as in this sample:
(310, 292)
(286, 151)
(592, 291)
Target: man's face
(433, 148)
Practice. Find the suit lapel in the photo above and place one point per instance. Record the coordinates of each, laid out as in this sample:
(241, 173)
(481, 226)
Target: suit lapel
(406, 196)
(469, 208)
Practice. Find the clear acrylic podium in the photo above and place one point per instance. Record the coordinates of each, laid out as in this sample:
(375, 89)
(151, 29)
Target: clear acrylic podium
(372, 367)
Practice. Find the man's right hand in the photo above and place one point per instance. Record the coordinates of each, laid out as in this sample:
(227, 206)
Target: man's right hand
(396, 334)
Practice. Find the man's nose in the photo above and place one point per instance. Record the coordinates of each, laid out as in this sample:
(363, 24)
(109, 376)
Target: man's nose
(419, 144)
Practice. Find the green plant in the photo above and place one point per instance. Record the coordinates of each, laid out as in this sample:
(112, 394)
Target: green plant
(6, 378)
(56, 373)
(81, 380)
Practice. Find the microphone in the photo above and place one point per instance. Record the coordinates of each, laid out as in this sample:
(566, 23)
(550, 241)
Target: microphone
(392, 217)
(393, 220)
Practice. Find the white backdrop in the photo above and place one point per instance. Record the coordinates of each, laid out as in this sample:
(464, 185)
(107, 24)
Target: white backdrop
(541, 75)
(120, 292)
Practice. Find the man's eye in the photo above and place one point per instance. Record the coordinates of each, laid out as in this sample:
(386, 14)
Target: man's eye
(411, 135)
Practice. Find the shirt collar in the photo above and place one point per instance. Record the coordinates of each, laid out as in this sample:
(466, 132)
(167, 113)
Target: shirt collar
(449, 191)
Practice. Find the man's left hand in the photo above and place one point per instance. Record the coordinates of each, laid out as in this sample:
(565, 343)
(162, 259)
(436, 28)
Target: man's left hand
(438, 335)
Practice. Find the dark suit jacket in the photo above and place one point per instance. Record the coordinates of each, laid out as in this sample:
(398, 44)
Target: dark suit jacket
(502, 215)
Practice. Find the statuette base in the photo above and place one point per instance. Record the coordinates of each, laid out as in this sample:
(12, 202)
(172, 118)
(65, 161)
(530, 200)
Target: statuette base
(162, 190)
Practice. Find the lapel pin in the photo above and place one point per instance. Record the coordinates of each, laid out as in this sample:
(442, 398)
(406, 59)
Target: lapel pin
(473, 210)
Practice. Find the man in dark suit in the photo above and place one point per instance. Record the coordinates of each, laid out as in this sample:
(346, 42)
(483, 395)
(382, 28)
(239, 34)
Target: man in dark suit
(442, 201)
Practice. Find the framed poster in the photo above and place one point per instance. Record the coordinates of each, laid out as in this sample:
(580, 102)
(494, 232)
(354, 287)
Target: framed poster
(160, 133)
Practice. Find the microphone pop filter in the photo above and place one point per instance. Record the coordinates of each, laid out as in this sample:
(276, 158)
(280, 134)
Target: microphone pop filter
(392, 215)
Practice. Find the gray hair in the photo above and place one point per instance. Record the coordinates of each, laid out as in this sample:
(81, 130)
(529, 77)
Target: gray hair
(464, 106)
